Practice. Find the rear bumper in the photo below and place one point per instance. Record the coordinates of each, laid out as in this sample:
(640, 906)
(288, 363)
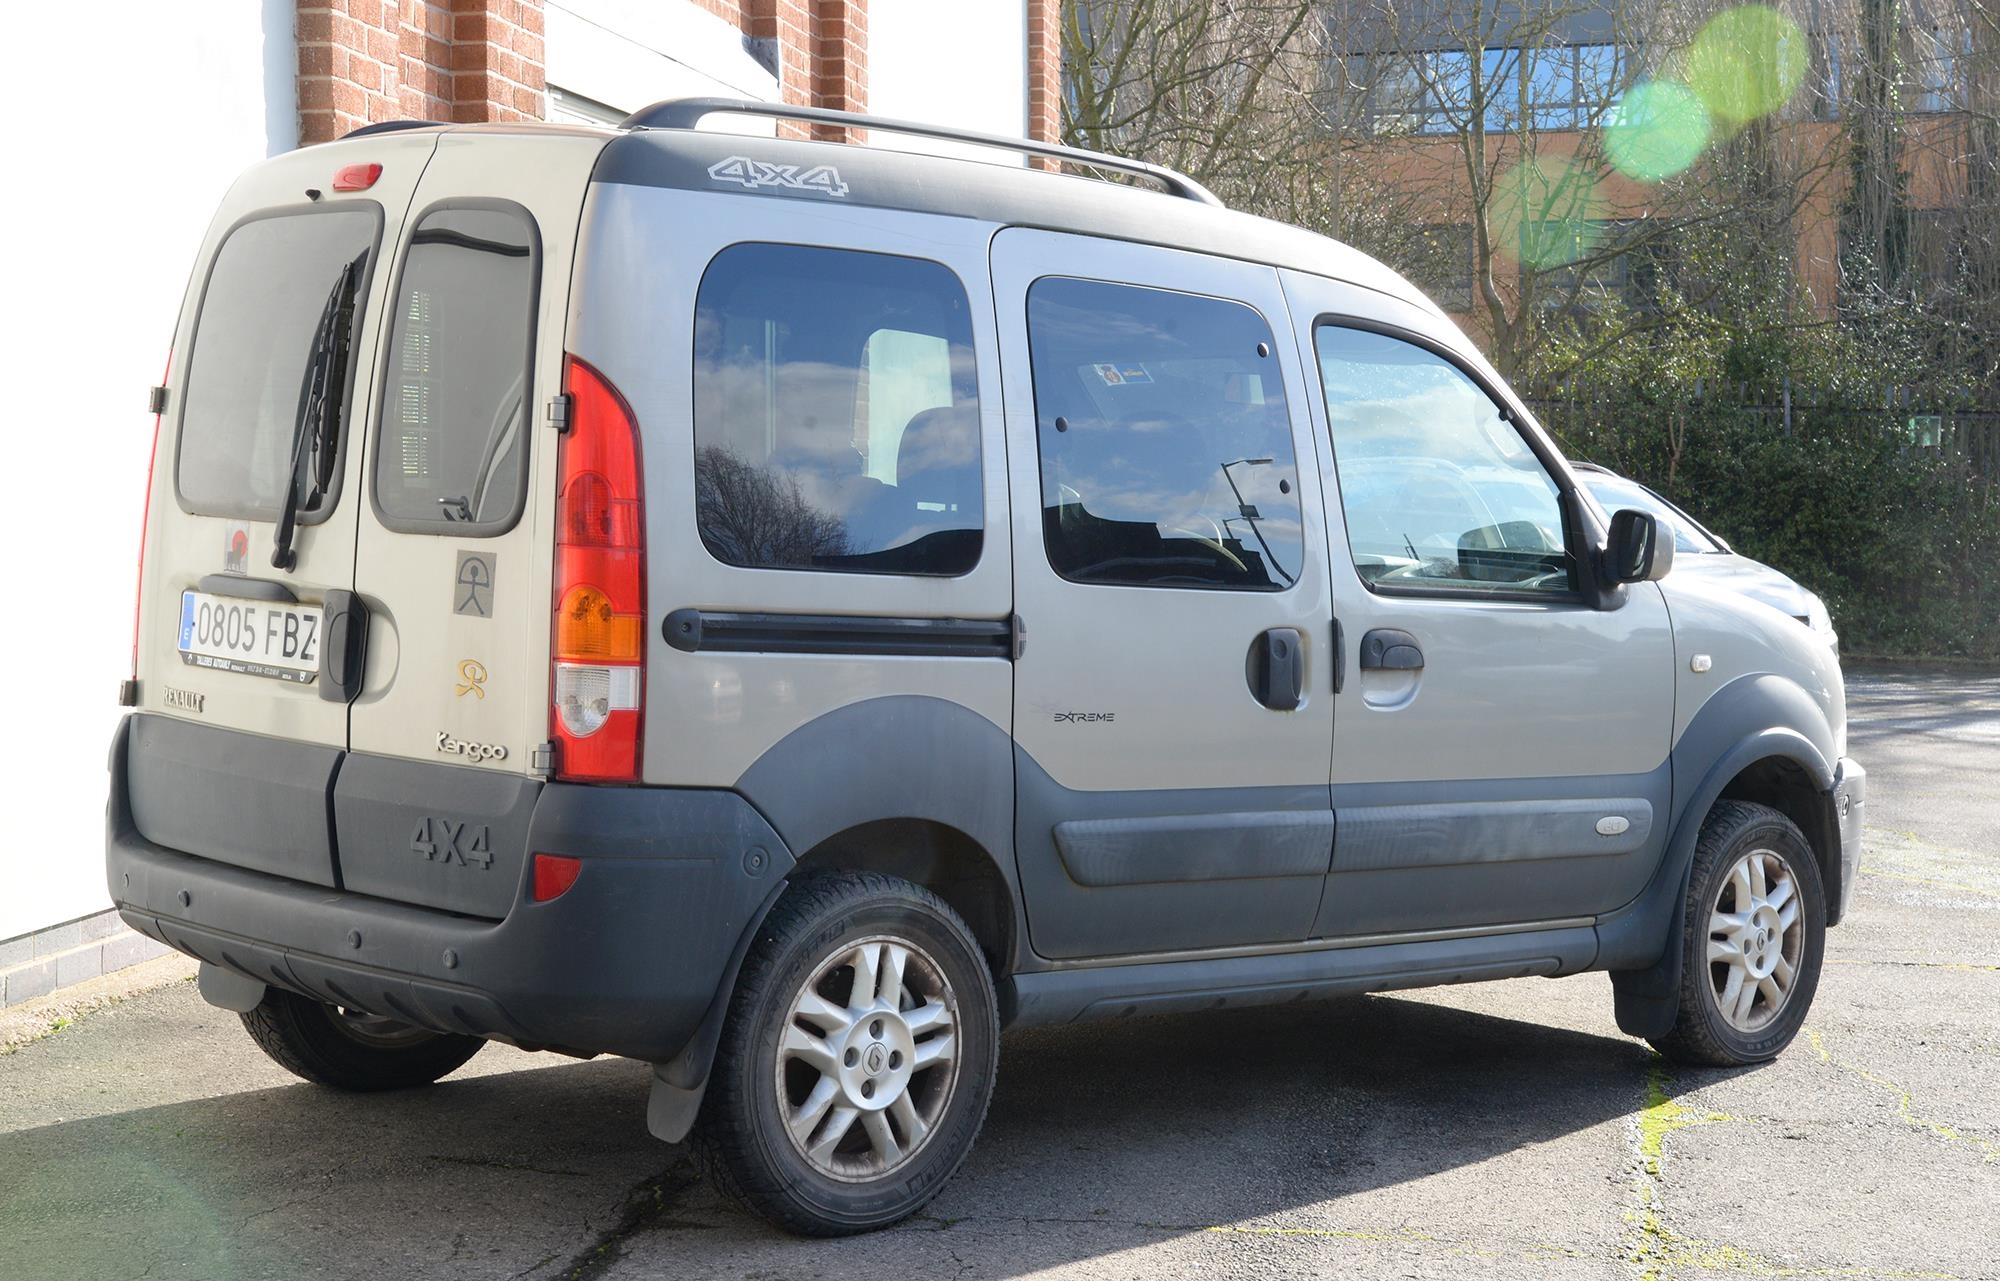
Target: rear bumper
(627, 961)
(1850, 799)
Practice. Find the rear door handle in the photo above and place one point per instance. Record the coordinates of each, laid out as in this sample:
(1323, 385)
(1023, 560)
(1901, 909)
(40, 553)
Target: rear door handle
(1388, 650)
(1277, 669)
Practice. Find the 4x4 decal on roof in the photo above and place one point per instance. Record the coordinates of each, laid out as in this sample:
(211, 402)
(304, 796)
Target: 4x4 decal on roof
(824, 180)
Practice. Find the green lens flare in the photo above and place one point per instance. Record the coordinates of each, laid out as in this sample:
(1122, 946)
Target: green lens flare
(1657, 131)
(1746, 62)
(1547, 213)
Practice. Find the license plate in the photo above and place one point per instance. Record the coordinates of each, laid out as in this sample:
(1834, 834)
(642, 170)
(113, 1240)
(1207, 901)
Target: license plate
(260, 638)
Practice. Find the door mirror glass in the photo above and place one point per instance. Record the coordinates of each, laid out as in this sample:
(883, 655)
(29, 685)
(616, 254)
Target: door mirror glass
(1635, 552)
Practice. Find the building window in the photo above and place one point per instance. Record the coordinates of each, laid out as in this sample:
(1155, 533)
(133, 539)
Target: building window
(836, 413)
(1568, 87)
(1938, 71)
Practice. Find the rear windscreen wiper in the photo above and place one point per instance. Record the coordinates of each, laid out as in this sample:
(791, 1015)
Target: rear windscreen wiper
(320, 391)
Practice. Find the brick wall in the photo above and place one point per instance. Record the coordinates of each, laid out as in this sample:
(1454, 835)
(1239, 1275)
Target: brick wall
(362, 61)
(1045, 70)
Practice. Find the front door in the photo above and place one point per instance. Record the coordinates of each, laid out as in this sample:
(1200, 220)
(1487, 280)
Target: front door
(1171, 706)
(1501, 756)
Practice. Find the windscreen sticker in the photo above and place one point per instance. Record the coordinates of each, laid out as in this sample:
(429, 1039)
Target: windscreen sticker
(1112, 374)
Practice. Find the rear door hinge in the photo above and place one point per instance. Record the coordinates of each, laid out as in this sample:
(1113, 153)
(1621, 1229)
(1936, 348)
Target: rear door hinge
(156, 400)
(542, 760)
(559, 412)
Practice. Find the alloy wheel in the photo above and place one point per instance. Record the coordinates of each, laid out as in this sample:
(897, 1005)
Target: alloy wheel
(868, 1058)
(1756, 938)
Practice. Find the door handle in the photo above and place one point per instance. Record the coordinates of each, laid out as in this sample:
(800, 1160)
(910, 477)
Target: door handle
(1388, 650)
(343, 645)
(1276, 669)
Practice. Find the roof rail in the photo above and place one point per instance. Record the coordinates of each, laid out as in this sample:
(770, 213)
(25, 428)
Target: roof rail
(686, 113)
(390, 126)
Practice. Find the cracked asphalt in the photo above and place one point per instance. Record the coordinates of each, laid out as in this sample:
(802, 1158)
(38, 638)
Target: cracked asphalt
(1495, 1131)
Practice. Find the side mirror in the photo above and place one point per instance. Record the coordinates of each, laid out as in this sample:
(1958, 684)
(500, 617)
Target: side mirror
(1639, 549)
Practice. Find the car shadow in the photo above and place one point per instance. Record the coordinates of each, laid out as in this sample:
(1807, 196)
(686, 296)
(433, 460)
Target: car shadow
(1171, 1123)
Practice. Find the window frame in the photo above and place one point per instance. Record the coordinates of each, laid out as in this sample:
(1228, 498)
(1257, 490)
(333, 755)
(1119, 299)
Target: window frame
(386, 355)
(978, 405)
(330, 500)
(1570, 503)
(1291, 424)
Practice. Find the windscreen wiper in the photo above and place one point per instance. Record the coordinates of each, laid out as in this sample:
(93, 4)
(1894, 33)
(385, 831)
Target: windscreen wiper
(319, 408)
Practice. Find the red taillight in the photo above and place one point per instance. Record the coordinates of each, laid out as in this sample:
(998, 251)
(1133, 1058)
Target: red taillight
(554, 874)
(356, 177)
(145, 519)
(598, 640)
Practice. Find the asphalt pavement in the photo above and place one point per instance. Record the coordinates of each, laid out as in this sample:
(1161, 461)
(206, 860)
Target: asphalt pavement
(1493, 1131)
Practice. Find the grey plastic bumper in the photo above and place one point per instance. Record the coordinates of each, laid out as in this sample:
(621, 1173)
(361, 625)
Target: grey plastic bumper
(627, 961)
(1850, 798)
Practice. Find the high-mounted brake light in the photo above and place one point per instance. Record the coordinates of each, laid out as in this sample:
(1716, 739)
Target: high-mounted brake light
(129, 696)
(598, 638)
(356, 177)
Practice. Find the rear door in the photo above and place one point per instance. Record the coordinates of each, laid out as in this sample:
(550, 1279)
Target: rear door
(228, 640)
(455, 504)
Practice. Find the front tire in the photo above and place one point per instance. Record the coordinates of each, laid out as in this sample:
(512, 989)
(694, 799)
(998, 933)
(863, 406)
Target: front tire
(350, 1050)
(857, 1059)
(1753, 937)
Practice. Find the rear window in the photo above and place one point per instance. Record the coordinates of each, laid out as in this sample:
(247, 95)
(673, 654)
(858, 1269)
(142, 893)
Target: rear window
(455, 413)
(267, 290)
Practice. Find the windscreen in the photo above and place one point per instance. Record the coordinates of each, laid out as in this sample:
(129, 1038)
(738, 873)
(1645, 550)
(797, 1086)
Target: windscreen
(266, 296)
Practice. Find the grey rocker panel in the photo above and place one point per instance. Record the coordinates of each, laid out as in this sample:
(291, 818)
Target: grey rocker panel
(1751, 719)
(1108, 874)
(1458, 854)
(1165, 987)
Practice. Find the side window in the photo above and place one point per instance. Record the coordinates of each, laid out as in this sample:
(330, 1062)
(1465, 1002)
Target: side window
(1440, 491)
(1166, 445)
(836, 413)
(455, 415)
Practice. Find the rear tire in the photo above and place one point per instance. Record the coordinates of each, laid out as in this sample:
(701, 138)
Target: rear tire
(857, 1059)
(351, 1050)
(1752, 939)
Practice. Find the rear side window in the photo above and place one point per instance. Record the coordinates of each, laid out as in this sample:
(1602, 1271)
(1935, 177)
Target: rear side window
(455, 413)
(836, 413)
(273, 281)
(1166, 445)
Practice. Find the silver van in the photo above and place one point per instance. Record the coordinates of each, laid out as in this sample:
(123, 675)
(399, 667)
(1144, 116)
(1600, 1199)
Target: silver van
(787, 611)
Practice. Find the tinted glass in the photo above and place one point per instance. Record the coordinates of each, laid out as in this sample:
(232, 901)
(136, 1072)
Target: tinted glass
(455, 415)
(1439, 490)
(1614, 492)
(1166, 445)
(266, 293)
(836, 413)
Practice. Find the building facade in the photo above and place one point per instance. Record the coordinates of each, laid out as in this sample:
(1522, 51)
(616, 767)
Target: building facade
(182, 97)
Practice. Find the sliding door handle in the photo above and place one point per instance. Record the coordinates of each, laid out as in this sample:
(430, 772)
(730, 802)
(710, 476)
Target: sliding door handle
(1276, 669)
(1388, 650)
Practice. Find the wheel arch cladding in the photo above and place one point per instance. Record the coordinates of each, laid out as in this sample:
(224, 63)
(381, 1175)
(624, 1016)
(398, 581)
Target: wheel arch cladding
(1759, 738)
(914, 786)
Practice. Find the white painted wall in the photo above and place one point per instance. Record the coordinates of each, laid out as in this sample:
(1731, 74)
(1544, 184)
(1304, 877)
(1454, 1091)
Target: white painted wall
(962, 63)
(131, 118)
(628, 53)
